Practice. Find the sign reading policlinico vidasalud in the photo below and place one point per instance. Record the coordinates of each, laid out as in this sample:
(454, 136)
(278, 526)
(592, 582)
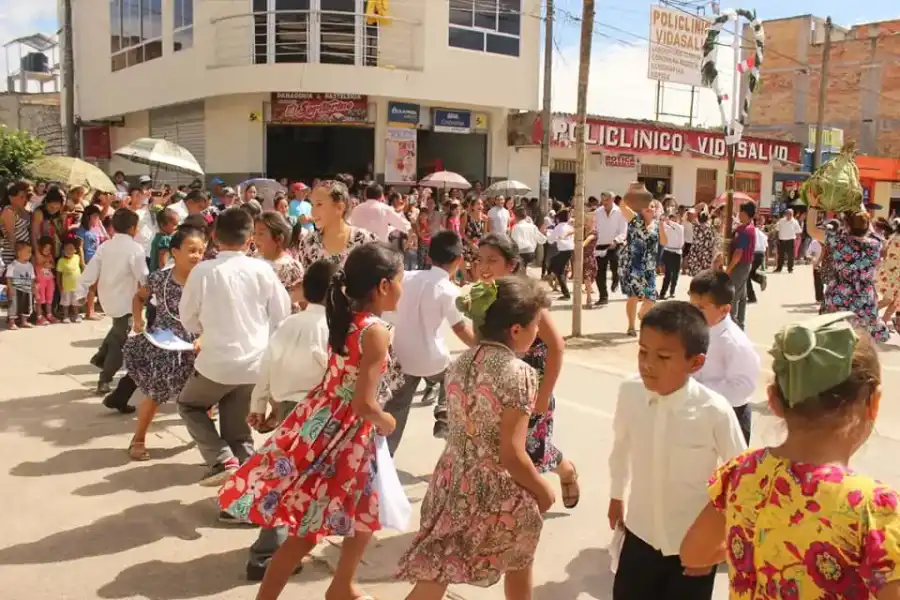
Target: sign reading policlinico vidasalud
(640, 138)
(676, 46)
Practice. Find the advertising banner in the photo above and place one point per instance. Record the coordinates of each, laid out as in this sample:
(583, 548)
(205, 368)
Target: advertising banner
(403, 113)
(301, 108)
(400, 156)
(452, 121)
(676, 46)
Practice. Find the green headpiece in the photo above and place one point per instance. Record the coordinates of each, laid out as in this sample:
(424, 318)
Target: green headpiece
(813, 356)
(475, 303)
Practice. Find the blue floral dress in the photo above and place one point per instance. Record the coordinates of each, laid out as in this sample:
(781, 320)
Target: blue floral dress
(854, 261)
(637, 271)
(539, 443)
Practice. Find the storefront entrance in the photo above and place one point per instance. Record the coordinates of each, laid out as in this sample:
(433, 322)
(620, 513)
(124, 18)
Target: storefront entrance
(657, 179)
(463, 153)
(306, 152)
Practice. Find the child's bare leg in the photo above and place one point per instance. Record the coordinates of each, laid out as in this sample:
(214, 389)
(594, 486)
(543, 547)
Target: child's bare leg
(427, 590)
(631, 312)
(89, 301)
(517, 584)
(352, 549)
(283, 564)
(646, 305)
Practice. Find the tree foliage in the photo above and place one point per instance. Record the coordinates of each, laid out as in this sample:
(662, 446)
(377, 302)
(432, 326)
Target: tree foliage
(17, 150)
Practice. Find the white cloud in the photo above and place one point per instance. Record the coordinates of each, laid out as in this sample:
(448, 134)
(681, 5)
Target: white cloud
(619, 86)
(19, 18)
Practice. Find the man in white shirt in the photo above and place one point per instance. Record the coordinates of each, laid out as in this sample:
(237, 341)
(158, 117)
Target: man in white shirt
(428, 301)
(235, 303)
(690, 217)
(375, 216)
(732, 363)
(118, 268)
(759, 262)
(563, 235)
(610, 228)
(498, 216)
(671, 238)
(669, 433)
(788, 229)
(527, 237)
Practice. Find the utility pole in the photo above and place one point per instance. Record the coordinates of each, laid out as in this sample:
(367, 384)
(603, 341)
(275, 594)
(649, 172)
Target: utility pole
(584, 71)
(547, 114)
(823, 92)
(69, 80)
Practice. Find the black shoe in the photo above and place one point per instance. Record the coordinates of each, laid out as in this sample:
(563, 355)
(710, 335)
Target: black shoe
(429, 396)
(256, 573)
(111, 403)
(441, 430)
(602, 302)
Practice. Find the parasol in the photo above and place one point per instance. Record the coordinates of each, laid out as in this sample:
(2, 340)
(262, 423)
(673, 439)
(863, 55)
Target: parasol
(509, 187)
(161, 154)
(447, 180)
(71, 172)
(266, 189)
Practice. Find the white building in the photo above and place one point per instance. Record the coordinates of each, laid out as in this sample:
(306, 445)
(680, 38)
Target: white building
(305, 88)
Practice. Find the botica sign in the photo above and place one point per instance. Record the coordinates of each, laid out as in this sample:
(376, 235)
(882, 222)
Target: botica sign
(403, 113)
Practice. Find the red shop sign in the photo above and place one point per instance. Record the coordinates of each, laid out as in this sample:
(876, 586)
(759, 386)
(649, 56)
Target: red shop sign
(616, 136)
(301, 108)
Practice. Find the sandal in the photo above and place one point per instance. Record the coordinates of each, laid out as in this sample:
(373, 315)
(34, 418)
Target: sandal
(138, 450)
(571, 491)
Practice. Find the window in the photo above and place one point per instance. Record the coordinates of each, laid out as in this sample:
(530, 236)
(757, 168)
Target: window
(486, 25)
(184, 25)
(748, 182)
(135, 29)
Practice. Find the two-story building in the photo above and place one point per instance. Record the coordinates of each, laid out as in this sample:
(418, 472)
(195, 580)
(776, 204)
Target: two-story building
(310, 88)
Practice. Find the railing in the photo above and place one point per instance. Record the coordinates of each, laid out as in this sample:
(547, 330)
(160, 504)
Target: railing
(317, 37)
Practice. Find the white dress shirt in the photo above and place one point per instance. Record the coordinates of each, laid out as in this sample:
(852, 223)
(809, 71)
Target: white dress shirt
(527, 236)
(118, 268)
(236, 303)
(688, 231)
(732, 363)
(788, 229)
(379, 218)
(762, 241)
(562, 236)
(146, 228)
(295, 360)
(674, 236)
(665, 448)
(499, 218)
(609, 228)
(429, 299)
(180, 209)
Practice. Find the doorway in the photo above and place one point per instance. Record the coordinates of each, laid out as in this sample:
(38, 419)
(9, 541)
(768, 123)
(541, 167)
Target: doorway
(302, 152)
(562, 187)
(657, 179)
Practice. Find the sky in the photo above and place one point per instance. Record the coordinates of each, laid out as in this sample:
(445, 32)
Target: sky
(618, 83)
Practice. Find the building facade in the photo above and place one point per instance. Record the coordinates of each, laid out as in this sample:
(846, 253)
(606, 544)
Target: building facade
(863, 84)
(306, 88)
(38, 114)
(687, 163)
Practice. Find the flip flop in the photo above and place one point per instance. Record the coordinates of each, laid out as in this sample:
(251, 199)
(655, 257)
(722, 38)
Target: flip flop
(571, 491)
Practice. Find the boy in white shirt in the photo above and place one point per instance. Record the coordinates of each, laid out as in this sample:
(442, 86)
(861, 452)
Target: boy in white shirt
(235, 302)
(527, 237)
(118, 268)
(732, 364)
(670, 433)
(294, 362)
(428, 300)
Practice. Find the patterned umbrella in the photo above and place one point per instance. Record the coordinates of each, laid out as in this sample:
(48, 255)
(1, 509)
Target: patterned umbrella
(71, 172)
(161, 154)
(446, 180)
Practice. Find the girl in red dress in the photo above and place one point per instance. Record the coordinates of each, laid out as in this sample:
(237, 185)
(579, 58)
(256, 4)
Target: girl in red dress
(315, 474)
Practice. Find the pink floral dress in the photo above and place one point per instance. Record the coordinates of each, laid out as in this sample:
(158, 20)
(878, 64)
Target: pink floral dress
(477, 522)
(315, 473)
(797, 531)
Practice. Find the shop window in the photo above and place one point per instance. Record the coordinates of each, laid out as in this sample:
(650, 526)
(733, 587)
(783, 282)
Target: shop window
(135, 32)
(492, 26)
(184, 25)
(707, 182)
(748, 182)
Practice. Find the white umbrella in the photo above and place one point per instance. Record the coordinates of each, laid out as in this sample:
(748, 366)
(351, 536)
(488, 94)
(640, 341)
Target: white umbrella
(161, 154)
(266, 189)
(510, 187)
(447, 180)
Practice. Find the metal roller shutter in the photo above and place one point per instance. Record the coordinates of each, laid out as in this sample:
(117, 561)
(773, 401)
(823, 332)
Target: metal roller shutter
(186, 126)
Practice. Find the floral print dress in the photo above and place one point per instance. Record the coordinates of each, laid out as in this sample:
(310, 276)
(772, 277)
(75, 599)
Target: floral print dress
(312, 249)
(539, 443)
(852, 288)
(888, 273)
(315, 473)
(637, 270)
(798, 531)
(473, 234)
(477, 522)
(703, 249)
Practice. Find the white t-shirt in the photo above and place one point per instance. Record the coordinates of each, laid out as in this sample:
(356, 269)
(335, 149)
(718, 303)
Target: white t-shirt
(499, 217)
(788, 229)
(762, 241)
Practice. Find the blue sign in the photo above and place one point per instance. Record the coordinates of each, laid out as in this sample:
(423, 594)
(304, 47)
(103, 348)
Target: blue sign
(452, 121)
(403, 112)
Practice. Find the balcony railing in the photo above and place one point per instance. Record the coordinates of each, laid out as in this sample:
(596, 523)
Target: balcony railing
(317, 37)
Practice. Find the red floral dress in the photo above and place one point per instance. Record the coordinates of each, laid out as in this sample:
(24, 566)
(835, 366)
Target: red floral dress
(315, 473)
(798, 531)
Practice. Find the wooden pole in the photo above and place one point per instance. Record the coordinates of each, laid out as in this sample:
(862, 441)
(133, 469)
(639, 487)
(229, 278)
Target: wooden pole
(823, 92)
(584, 69)
(547, 114)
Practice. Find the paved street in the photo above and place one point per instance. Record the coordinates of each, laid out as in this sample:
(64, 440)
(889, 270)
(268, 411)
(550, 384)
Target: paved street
(81, 521)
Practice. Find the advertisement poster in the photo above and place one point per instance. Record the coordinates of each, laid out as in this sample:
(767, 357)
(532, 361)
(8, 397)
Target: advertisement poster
(676, 46)
(301, 108)
(400, 156)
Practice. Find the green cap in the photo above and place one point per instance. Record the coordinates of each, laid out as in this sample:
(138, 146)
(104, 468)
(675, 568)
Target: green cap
(813, 356)
(475, 303)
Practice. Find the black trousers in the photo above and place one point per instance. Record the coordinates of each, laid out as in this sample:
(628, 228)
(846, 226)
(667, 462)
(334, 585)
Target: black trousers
(645, 574)
(745, 419)
(758, 260)
(558, 268)
(818, 286)
(785, 251)
(609, 262)
(526, 258)
(672, 263)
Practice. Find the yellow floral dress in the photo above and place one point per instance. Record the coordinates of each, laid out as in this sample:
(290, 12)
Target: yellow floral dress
(797, 531)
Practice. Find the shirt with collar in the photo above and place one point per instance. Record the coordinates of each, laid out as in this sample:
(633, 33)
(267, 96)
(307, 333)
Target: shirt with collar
(527, 236)
(119, 268)
(236, 303)
(562, 237)
(610, 228)
(428, 300)
(379, 218)
(762, 241)
(180, 209)
(499, 217)
(732, 363)
(664, 450)
(674, 236)
(295, 360)
(788, 229)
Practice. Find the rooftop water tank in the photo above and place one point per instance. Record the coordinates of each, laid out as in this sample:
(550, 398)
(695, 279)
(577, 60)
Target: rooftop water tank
(36, 62)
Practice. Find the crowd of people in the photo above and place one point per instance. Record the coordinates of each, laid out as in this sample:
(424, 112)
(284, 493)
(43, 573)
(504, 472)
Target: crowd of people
(285, 319)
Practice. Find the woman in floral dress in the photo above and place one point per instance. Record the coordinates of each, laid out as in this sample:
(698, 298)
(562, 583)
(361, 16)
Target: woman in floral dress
(795, 522)
(333, 238)
(589, 269)
(855, 256)
(888, 277)
(315, 473)
(704, 246)
(481, 517)
(272, 232)
(638, 260)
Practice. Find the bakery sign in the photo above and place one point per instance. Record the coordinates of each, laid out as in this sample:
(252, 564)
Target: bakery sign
(303, 108)
(633, 138)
